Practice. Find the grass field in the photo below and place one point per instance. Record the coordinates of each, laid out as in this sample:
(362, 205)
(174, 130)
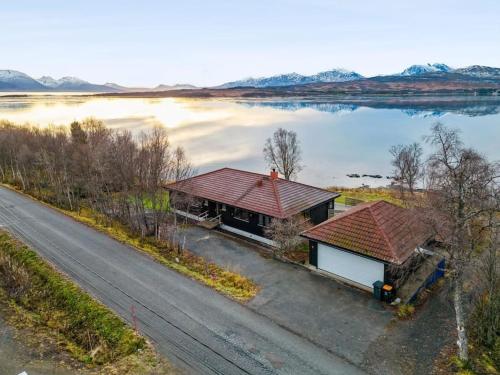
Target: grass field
(367, 194)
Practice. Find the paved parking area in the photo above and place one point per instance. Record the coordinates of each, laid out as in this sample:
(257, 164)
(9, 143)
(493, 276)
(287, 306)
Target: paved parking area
(342, 319)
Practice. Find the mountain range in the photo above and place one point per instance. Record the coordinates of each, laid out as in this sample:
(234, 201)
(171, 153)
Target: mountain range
(11, 80)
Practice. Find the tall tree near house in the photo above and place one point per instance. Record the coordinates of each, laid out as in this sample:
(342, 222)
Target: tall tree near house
(122, 174)
(156, 154)
(462, 189)
(407, 163)
(180, 169)
(486, 317)
(285, 234)
(283, 152)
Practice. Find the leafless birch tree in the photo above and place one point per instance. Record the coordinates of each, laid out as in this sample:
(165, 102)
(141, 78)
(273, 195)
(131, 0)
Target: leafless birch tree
(283, 152)
(462, 191)
(407, 164)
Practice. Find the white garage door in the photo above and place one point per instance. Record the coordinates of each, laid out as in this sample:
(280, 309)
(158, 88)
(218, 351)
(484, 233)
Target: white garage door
(362, 270)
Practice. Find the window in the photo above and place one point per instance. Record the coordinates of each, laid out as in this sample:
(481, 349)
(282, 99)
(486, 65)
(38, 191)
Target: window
(223, 207)
(241, 214)
(264, 220)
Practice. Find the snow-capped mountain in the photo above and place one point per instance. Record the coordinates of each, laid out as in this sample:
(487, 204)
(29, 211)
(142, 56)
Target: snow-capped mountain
(334, 75)
(48, 81)
(72, 84)
(12, 80)
(423, 69)
(479, 71)
(483, 77)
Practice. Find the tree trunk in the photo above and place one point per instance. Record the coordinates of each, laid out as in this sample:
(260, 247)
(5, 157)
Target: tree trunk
(462, 342)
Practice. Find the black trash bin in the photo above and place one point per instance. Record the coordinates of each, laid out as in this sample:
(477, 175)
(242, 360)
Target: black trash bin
(387, 293)
(377, 289)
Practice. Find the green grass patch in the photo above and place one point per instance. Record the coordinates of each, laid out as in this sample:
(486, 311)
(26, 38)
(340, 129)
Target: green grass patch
(160, 203)
(92, 333)
(367, 194)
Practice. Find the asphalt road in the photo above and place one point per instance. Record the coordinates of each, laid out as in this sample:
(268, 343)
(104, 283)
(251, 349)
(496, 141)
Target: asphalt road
(197, 329)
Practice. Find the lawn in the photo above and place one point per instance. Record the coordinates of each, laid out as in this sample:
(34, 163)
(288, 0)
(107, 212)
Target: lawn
(367, 194)
(162, 201)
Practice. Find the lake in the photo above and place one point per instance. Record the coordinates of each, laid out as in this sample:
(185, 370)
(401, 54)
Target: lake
(338, 136)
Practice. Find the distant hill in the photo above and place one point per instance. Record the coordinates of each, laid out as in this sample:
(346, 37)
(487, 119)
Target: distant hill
(12, 80)
(480, 71)
(423, 69)
(416, 79)
(472, 81)
(334, 75)
(179, 86)
(73, 84)
(341, 75)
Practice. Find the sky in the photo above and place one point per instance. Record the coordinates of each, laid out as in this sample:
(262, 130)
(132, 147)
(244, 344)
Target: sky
(145, 43)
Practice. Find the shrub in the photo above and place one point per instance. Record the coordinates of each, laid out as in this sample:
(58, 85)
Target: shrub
(405, 311)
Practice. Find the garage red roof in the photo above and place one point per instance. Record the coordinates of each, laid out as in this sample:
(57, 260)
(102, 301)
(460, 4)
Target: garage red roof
(378, 229)
(255, 192)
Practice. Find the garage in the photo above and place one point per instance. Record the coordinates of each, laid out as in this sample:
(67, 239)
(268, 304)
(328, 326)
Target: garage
(354, 268)
(367, 243)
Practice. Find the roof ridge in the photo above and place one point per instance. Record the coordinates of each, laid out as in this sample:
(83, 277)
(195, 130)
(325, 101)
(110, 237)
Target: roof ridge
(387, 240)
(196, 176)
(279, 178)
(277, 195)
(248, 190)
(339, 216)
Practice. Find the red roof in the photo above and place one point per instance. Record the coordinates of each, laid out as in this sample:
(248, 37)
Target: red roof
(378, 229)
(254, 192)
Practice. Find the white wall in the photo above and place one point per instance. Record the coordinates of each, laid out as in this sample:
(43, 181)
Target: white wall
(349, 266)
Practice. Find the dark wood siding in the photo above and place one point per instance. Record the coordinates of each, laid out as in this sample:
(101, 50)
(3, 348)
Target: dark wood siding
(313, 253)
(250, 226)
(319, 213)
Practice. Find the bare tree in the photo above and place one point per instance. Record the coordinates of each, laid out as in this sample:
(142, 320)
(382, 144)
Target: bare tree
(407, 163)
(285, 234)
(486, 318)
(462, 189)
(156, 159)
(283, 152)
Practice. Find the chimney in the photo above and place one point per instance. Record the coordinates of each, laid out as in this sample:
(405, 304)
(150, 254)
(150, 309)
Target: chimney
(274, 174)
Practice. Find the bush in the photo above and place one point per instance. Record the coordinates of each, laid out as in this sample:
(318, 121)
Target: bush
(405, 311)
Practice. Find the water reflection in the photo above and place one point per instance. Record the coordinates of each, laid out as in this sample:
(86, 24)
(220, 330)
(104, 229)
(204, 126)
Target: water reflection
(338, 138)
(420, 106)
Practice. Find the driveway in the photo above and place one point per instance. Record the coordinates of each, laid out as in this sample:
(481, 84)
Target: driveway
(199, 330)
(341, 319)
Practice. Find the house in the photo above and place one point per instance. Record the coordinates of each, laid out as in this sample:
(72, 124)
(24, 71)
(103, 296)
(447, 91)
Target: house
(245, 202)
(371, 242)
